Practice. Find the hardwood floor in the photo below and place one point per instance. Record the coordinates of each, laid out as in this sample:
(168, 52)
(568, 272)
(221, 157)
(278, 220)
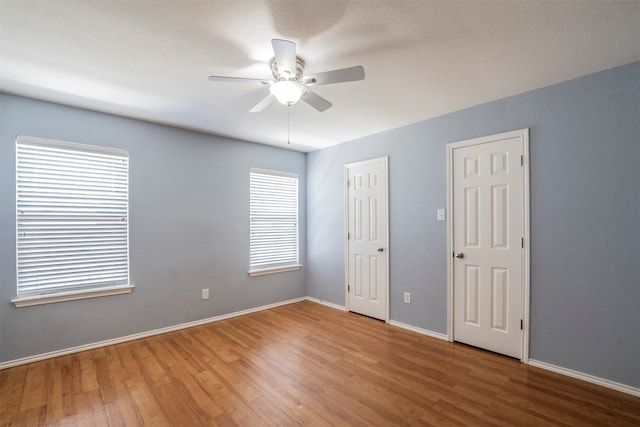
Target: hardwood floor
(302, 363)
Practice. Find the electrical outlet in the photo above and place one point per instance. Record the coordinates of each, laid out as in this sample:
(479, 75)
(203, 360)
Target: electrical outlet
(407, 297)
(205, 293)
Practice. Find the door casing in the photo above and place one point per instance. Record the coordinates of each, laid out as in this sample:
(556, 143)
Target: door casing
(384, 160)
(523, 134)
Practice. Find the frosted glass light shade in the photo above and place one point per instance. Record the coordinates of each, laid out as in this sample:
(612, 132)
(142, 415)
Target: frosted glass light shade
(287, 92)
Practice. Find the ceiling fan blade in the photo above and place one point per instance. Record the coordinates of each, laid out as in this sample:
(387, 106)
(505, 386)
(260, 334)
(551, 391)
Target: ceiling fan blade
(335, 76)
(266, 101)
(316, 101)
(285, 53)
(238, 80)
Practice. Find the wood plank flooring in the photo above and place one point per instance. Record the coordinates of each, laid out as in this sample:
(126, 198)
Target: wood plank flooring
(300, 364)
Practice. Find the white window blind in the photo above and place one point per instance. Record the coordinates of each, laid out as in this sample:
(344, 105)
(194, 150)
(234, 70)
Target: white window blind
(273, 219)
(72, 217)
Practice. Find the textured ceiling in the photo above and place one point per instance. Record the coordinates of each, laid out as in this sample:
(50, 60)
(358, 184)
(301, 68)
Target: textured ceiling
(151, 60)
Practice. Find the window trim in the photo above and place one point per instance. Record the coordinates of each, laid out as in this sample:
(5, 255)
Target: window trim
(27, 299)
(272, 270)
(253, 272)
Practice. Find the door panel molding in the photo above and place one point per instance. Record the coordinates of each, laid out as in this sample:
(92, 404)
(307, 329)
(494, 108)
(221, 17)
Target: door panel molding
(384, 253)
(471, 168)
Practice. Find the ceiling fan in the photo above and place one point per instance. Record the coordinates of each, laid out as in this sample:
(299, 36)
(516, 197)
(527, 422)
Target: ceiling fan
(289, 84)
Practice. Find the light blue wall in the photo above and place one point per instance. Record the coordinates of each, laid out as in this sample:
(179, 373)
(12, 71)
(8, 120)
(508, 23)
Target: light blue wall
(585, 215)
(189, 222)
(189, 203)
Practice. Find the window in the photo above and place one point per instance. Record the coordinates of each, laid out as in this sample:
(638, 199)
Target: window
(273, 222)
(71, 221)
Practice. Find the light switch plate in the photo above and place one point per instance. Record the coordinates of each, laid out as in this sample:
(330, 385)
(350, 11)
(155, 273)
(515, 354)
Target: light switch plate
(441, 215)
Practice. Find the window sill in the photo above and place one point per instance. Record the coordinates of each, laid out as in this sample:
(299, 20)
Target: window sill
(272, 270)
(27, 301)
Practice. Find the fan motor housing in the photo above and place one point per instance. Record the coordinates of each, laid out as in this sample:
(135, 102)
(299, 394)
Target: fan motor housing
(278, 76)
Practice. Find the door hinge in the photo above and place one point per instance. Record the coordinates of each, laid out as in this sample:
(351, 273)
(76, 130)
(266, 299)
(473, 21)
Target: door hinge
(521, 160)
(522, 242)
(521, 324)
(348, 236)
(348, 288)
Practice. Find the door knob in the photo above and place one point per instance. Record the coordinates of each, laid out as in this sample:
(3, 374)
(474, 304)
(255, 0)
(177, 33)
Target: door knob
(459, 255)
(380, 249)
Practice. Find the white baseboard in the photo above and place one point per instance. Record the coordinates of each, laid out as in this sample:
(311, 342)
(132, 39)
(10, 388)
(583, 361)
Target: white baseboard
(391, 322)
(327, 303)
(64, 352)
(634, 391)
(419, 330)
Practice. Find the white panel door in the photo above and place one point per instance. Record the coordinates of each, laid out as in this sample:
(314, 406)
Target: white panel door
(488, 208)
(367, 279)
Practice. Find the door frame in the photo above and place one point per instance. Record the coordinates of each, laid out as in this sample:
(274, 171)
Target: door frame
(523, 134)
(385, 161)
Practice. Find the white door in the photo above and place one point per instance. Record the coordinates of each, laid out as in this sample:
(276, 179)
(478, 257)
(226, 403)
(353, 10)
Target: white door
(367, 249)
(488, 203)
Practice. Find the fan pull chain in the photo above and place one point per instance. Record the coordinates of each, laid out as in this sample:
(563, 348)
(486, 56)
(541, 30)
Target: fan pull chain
(289, 124)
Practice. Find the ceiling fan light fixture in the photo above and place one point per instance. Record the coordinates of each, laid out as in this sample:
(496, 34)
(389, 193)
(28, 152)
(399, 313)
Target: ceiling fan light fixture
(289, 84)
(287, 92)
